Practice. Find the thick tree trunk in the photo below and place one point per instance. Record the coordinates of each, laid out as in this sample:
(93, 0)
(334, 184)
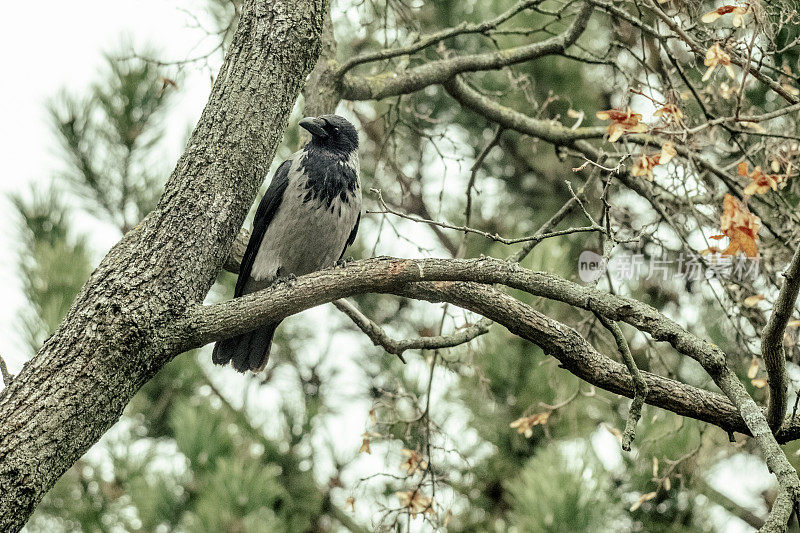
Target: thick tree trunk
(113, 339)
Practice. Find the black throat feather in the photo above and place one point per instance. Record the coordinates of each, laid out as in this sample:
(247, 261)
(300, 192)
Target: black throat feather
(328, 175)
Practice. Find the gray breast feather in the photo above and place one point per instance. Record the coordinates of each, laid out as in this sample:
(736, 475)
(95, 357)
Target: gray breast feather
(304, 236)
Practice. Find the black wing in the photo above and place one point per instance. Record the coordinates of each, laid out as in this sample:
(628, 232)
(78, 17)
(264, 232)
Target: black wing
(351, 239)
(264, 215)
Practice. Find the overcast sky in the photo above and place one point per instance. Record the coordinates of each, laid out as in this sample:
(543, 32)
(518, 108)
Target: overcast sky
(63, 48)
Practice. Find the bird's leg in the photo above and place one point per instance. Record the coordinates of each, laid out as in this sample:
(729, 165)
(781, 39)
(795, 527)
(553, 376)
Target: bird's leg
(283, 278)
(343, 261)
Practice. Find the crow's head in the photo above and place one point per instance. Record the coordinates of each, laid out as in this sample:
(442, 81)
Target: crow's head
(332, 132)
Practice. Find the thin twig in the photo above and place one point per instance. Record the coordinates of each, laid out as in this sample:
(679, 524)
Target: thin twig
(493, 236)
(462, 248)
(639, 384)
(397, 347)
(433, 38)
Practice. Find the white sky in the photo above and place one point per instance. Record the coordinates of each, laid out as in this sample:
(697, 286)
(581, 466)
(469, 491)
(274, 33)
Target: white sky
(64, 49)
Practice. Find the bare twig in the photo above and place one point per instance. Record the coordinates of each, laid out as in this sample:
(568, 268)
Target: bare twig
(700, 50)
(639, 384)
(380, 338)
(425, 41)
(493, 236)
(437, 72)
(471, 185)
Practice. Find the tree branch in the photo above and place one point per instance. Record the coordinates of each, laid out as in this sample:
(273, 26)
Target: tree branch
(735, 59)
(397, 347)
(537, 237)
(639, 384)
(772, 344)
(427, 40)
(205, 324)
(438, 72)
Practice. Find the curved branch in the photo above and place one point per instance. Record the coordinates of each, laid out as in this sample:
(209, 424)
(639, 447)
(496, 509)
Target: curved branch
(380, 338)
(207, 323)
(772, 344)
(552, 132)
(639, 384)
(437, 72)
(204, 324)
(427, 40)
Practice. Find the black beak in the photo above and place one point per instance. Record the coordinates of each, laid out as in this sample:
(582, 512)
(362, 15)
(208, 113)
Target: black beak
(315, 126)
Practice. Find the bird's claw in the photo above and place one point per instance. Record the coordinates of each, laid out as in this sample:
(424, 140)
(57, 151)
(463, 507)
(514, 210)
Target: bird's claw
(286, 279)
(343, 262)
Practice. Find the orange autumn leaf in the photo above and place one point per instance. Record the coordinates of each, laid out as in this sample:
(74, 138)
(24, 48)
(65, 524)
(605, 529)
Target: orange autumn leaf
(667, 153)
(740, 226)
(717, 56)
(738, 14)
(414, 462)
(760, 182)
(365, 440)
(621, 122)
(364, 447)
(670, 113)
(759, 383)
(645, 164)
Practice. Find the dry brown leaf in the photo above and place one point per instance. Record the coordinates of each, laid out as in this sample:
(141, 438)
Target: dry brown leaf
(717, 56)
(738, 14)
(752, 370)
(621, 122)
(415, 501)
(364, 447)
(740, 226)
(414, 462)
(752, 301)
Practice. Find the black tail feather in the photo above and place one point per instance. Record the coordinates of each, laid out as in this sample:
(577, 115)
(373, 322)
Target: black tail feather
(248, 351)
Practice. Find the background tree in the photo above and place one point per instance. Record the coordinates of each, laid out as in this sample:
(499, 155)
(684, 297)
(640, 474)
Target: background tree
(488, 431)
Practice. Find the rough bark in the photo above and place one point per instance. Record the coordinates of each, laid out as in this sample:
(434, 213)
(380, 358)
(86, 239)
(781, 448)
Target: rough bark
(407, 277)
(114, 338)
(772, 343)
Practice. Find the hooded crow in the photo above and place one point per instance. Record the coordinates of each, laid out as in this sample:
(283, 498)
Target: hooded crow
(305, 221)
